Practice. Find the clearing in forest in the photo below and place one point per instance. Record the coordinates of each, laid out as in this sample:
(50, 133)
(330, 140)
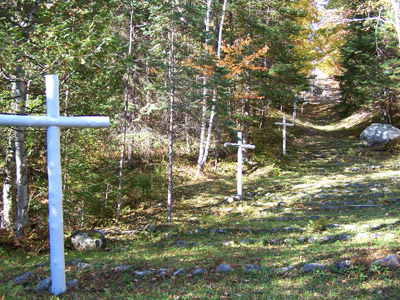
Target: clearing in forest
(315, 228)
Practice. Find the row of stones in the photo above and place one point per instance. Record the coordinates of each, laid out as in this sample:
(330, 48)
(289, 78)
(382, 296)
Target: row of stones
(391, 261)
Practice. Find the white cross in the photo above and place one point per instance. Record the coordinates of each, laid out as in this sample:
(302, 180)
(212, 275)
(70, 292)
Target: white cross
(53, 122)
(240, 146)
(284, 124)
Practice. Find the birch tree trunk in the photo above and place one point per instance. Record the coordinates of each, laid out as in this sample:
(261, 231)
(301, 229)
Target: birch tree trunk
(396, 9)
(20, 158)
(9, 202)
(214, 95)
(200, 165)
(124, 126)
(171, 71)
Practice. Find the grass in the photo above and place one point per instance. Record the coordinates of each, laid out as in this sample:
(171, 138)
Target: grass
(323, 181)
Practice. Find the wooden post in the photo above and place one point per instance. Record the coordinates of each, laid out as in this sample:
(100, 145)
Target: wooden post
(284, 124)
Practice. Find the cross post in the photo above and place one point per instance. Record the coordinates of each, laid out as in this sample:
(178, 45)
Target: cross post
(240, 147)
(284, 124)
(294, 111)
(53, 122)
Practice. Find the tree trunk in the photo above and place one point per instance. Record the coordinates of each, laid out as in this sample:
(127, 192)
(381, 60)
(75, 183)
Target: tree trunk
(9, 201)
(126, 107)
(396, 9)
(171, 121)
(214, 96)
(20, 158)
(200, 166)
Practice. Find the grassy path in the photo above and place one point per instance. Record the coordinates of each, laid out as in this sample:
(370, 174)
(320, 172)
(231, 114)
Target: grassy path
(336, 207)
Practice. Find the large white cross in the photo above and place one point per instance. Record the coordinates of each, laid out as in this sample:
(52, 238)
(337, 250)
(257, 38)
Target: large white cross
(53, 122)
(240, 147)
(284, 124)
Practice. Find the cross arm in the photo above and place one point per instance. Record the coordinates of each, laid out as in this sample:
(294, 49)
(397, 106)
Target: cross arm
(44, 121)
(287, 124)
(232, 144)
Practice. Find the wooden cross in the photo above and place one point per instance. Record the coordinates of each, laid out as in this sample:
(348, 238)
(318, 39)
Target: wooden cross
(240, 147)
(53, 122)
(284, 124)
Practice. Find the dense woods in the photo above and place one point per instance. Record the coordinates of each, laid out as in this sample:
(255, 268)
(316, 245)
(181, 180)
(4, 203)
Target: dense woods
(177, 78)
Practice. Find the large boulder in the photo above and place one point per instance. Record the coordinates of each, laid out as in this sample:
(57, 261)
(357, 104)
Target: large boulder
(87, 239)
(377, 135)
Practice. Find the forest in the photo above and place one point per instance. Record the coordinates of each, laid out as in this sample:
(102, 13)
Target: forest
(178, 79)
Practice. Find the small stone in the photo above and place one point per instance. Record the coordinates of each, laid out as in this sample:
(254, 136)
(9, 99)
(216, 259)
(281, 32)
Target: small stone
(228, 243)
(181, 244)
(312, 239)
(288, 241)
(334, 225)
(327, 238)
(214, 230)
(273, 242)
(343, 237)
(247, 230)
(179, 272)
(344, 264)
(391, 261)
(72, 283)
(82, 265)
(162, 272)
(222, 231)
(142, 273)
(252, 268)
(224, 268)
(199, 272)
(301, 239)
(312, 267)
(22, 278)
(245, 241)
(284, 270)
(281, 204)
(43, 285)
(122, 268)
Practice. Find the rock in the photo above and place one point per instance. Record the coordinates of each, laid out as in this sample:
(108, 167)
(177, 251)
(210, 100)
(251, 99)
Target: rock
(334, 225)
(162, 272)
(228, 243)
(301, 239)
(343, 237)
(224, 268)
(43, 285)
(72, 283)
(142, 273)
(344, 264)
(251, 268)
(222, 231)
(312, 267)
(199, 272)
(214, 230)
(391, 261)
(74, 262)
(377, 135)
(284, 270)
(87, 240)
(281, 204)
(22, 278)
(122, 268)
(82, 265)
(327, 238)
(179, 272)
(272, 242)
(312, 239)
(181, 244)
